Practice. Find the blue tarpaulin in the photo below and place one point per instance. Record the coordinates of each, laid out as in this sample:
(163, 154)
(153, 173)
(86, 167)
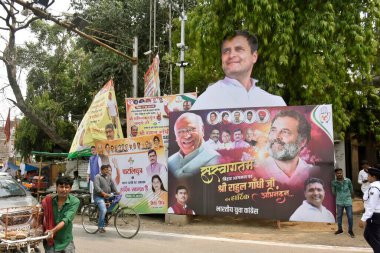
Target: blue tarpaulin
(12, 166)
(29, 167)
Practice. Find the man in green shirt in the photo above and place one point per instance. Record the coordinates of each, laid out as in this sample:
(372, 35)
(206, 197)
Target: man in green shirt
(344, 193)
(64, 207)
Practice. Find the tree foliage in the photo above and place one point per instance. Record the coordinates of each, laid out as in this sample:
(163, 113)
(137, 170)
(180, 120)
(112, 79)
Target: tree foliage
(56, 88)
(310, 52)
(117, 23)
(12, 23)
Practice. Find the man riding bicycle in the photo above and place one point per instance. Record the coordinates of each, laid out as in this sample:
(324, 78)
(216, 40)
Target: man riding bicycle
(103, 189)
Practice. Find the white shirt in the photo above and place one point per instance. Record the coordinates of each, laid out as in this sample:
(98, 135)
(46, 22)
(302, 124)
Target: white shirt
(227, 145)
(269, 168)
(170, 210)
(310, 213)
(230, 93)
(371, 200)
(214, 145)
(363, 176)
(111, 107)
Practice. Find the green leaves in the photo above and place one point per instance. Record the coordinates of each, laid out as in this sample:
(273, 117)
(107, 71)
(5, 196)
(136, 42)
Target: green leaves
(322, 52)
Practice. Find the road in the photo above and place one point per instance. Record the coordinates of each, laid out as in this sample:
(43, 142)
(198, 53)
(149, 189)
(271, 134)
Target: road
(149, 241)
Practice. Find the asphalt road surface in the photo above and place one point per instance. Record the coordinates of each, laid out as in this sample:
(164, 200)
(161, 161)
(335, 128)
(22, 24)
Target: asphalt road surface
(150, 241)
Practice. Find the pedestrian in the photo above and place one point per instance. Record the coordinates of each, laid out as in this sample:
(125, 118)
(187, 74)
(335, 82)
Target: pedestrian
(363, 176)
(59, 213)
(371, 217)
(93, 169)
(344, 193)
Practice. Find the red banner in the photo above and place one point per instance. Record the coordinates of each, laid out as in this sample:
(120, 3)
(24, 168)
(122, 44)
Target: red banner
(7, 127)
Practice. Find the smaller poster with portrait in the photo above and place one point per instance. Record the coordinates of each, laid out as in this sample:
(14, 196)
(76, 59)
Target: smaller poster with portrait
(139, 171)
(150, 115)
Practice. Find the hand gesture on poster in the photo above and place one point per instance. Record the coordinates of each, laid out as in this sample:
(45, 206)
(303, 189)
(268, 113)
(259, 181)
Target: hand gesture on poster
(246, 157)
(116, 166)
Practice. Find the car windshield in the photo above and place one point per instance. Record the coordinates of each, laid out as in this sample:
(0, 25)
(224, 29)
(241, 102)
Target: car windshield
(10, 188)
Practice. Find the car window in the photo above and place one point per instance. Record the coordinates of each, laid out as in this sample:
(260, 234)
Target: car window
(10, 188)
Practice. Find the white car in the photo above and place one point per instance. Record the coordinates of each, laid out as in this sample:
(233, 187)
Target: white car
(20, 214)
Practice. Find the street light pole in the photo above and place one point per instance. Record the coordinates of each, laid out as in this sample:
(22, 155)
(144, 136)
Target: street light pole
(182, 64)
(134, 67)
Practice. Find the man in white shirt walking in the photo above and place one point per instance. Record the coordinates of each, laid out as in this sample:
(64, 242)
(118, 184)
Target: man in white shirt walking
(363, 176)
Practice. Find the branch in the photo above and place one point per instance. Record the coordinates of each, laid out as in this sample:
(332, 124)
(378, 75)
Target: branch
(6, 10)
(4, 60)
(26, 24)
(14, 102)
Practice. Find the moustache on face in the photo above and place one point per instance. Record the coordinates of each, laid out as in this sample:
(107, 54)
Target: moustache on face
(278, 141)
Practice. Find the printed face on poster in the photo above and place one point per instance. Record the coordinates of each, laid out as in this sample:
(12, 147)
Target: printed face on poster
(268, 162)
(150, 115)
(139, 171)
(101, 122)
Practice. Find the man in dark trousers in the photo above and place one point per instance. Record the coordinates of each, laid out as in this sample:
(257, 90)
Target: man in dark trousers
(344, 193)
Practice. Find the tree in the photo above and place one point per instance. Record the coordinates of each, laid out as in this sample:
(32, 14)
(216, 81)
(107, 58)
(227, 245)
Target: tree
(57, 90)
(310, 52)
(12, 22)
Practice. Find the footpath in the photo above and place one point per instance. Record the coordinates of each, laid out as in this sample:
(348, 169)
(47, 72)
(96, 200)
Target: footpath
(262, 230)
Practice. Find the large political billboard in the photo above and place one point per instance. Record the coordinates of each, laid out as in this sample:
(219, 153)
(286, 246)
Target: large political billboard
(266, 162)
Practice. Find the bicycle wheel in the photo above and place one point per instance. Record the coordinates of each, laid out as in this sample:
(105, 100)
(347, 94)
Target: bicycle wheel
(90, 216)
(127, 222)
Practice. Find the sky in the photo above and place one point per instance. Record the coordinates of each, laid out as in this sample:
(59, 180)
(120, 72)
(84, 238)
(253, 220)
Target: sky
(57, 8)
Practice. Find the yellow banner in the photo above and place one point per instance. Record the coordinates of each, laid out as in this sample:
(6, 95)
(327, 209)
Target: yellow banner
(101, 122)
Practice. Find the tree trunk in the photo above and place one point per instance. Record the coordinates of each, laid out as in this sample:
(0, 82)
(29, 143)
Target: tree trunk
(9, 58)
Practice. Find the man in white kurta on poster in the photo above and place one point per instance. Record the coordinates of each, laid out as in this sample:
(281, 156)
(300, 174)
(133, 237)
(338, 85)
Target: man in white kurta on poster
(237, 89)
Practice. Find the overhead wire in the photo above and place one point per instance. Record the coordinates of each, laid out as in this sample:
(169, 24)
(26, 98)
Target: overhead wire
(112, 42)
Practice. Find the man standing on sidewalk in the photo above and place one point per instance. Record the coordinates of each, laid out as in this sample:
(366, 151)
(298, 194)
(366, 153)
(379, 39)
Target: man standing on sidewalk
(363, 176)
(93, 170)
(344, 193)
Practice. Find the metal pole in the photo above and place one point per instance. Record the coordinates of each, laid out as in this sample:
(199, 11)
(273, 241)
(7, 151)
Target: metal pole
(182, 48)
(134, 67)
(154, 26)
(39, 180)
(150, 30)
(170, 49)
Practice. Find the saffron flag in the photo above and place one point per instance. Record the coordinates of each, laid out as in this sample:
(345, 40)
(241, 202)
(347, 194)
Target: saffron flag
(7, 127)
(101, 122)
(152, 79)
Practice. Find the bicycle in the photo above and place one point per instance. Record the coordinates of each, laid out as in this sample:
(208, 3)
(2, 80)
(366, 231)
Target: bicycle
(126, 220)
